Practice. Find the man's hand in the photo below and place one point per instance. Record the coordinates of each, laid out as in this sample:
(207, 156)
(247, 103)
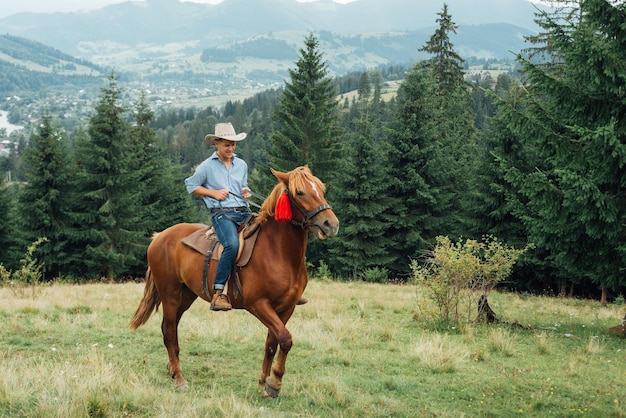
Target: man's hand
(220, 194)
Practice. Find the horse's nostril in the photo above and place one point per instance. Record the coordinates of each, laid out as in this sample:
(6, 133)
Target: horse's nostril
(330, 227)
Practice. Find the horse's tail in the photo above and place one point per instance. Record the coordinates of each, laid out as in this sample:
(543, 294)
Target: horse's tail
(149, 303)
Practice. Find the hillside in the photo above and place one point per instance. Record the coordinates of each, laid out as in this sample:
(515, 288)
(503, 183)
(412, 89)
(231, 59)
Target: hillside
(30, 65)
(238, 47)
(170, 21)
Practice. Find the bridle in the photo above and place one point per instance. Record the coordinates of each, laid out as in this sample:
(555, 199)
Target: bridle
(306, 216)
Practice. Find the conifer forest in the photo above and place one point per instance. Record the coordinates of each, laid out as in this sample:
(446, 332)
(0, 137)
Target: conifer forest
(534, 157)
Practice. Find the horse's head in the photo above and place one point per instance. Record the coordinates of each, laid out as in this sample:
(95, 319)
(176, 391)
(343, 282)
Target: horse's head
(306, 196)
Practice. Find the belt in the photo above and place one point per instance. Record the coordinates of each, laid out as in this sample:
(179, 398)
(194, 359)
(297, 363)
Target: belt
(234, 209)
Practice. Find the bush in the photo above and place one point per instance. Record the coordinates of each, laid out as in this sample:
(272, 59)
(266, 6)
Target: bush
(24, 281)
(323, 271)
(461, 272)
(376, 275)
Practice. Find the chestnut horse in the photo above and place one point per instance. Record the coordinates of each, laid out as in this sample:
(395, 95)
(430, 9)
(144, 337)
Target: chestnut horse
(271, 283)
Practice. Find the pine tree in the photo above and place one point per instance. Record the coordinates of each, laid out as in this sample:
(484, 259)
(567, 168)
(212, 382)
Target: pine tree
(107, 231)
(364, 203)
(43, 201)
(446, 64)
(434, 136)
(306, 117)
(418, 173)
(164, 200)
(574, 205)
(10, 237)
(306, 125)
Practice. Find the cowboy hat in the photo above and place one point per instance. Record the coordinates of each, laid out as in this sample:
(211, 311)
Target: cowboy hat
(224, 131)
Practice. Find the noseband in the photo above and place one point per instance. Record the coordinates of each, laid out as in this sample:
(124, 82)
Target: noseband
(306, 216)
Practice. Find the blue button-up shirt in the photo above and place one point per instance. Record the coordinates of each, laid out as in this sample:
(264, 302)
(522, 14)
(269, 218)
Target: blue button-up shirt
(213, 174)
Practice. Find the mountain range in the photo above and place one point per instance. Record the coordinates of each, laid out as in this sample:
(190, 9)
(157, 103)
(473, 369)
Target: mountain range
(257, 40)
(167, 21)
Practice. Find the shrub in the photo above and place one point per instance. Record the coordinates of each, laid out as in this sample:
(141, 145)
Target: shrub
(323, 271)
(24, 281)
(376, 275)
(461, 272)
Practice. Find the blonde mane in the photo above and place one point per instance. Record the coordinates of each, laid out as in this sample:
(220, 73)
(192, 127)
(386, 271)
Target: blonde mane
(299, 179)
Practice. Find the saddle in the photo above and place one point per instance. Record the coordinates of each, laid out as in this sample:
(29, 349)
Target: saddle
(205, 242)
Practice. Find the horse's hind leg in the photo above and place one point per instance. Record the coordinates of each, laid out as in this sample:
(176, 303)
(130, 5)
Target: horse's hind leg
(173, 308)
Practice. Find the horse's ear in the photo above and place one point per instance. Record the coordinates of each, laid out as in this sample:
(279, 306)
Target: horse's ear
(283, 177)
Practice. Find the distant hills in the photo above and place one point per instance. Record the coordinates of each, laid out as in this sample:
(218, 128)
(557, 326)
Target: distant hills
(168, 21)
(30, 65)
(244, 41)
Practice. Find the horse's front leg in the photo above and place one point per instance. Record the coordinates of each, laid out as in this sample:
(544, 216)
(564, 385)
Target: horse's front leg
(274, 382)
(278, 340)
(271, 344)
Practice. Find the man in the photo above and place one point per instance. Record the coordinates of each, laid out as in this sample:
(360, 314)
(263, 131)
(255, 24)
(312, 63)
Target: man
(222, 181)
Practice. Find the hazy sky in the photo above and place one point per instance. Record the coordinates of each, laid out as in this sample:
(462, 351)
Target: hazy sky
(9, 7)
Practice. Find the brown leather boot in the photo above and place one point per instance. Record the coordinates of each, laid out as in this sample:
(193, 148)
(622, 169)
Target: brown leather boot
(302, 301)
(220, 301)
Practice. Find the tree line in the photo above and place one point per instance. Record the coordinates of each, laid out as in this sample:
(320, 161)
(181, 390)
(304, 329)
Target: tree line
(535, 160)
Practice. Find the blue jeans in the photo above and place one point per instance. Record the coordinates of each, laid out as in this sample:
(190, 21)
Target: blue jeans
(225, 224)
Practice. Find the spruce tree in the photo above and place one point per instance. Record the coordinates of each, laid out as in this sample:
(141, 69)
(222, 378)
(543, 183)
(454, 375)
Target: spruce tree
(434, 136)
(107, 233)
(417, 174)
(364, 203)
(43, 200)
(493, 204)
(574, 205)
(446, 64)
(164, 200)
(306, 129)
(455, 131)
(306, 126)
(10, 238)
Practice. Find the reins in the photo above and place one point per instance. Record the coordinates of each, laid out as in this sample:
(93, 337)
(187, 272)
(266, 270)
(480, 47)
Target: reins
(258, 196)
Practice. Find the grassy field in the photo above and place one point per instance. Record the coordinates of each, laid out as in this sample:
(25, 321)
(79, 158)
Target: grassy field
(359, 350)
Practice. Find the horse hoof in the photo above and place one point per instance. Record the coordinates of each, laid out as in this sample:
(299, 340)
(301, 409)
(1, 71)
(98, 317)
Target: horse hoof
(182, 387)
(271, 392)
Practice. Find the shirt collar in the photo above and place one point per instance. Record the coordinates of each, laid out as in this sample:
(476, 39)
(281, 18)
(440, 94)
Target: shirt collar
(214, 156)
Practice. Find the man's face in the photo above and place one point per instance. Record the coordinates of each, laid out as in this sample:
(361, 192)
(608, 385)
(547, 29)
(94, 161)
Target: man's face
(225, 148)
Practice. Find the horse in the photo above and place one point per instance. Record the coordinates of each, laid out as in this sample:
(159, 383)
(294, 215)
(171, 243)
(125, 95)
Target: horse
(271, 283)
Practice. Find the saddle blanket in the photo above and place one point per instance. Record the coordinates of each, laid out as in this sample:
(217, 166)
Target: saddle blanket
(204, 239)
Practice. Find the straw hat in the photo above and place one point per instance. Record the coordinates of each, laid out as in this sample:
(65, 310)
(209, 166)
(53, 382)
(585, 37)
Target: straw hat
(224, 131)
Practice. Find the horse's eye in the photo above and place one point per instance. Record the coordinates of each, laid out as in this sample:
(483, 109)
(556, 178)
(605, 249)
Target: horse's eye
(300, 193)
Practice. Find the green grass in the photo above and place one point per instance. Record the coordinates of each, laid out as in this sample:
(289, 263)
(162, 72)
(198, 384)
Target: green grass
(359, 350)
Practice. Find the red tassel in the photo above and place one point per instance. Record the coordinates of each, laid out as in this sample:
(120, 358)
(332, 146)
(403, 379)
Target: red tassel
(282, 213)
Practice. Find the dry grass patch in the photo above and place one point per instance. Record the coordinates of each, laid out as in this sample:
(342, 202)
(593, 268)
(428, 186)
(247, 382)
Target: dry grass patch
(593, 346)
(501, 341)
(544, 345)
(439, 354)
